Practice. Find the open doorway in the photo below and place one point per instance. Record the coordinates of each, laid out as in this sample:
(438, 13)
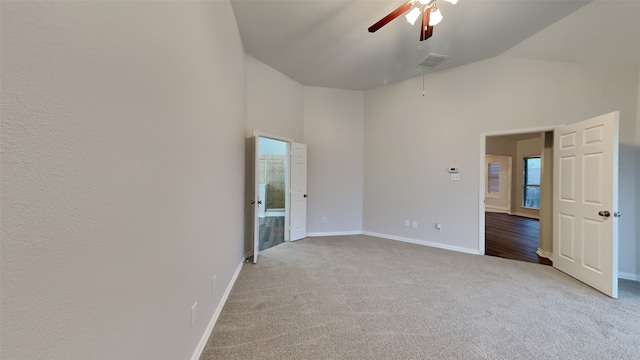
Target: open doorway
(276, 192)
(273, 183)
(518, 184)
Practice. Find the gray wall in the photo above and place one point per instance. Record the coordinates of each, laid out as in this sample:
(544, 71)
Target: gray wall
(333, 131)
(411, 140)
(122, 166)
(636, 250)
(330, 122)
(275, 103)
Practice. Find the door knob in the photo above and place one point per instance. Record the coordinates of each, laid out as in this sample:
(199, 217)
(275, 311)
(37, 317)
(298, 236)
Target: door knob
(617, 214)
(259, 202)
(604, 213)
(253, 202)
(305, 195)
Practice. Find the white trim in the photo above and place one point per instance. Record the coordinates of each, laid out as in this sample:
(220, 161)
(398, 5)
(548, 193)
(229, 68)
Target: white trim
(628, 276)
(258, 133)
(495, 209)
(481, 193)
(544, 254)
(522, 131)
(423, 242)
(334, 233)
(530, 216)
(207, 332)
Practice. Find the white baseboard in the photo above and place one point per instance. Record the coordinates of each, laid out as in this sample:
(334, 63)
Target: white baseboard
(207, 332)
(423, 242)
(544, 254)
(497, 210)
(629, 276)
(334, 233)
(526, 215)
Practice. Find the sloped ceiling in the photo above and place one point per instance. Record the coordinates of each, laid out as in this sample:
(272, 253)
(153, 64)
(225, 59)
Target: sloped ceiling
(605, 33)
(326, 44)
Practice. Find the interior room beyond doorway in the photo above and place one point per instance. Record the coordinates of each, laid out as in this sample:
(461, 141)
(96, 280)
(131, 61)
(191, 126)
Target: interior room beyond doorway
(518, 185)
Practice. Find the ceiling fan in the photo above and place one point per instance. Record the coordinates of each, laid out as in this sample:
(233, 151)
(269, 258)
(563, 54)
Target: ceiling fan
(430, 16)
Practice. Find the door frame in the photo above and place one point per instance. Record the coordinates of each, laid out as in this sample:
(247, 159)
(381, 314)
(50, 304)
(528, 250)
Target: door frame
(482, 173)
(255, 221)
(287, 182)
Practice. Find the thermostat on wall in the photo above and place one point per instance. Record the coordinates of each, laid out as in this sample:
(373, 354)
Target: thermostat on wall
(453, 170)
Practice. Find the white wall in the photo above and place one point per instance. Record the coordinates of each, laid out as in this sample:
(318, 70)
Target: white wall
(333, 131)
(122, 146)
(411, 140)
(275, 102)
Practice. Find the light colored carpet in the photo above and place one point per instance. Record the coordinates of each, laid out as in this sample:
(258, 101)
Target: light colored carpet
(360, 297)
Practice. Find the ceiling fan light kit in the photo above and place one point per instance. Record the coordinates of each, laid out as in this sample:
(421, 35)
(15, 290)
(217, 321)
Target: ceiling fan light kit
(413, 15)
(436, 16)
(431, 16)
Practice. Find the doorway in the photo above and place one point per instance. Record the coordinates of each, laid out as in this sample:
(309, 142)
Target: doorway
(276, 192)
(273, 184)
(518, 180)
(580, 212)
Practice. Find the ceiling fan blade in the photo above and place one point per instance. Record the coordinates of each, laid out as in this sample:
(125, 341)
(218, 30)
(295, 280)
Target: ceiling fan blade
(426, 30)
(392, 15)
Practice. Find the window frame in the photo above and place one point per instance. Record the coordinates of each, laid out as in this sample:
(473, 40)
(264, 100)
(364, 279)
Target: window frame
(525, 185)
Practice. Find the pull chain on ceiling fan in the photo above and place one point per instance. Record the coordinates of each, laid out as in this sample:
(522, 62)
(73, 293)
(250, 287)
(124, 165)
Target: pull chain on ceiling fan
(430, 16)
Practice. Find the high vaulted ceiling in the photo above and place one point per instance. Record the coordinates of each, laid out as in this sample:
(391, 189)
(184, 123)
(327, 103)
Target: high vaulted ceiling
(325, 43)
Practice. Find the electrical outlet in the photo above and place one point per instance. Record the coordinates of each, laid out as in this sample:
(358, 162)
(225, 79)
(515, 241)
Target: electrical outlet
(324, 219)
(415, 224)
(213, 284)
(455, 177)
(193, 313)
(406, 223)
(438, 227)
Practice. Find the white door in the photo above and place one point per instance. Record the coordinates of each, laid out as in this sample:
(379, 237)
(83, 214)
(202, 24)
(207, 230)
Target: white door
(585, 231)
(497, 193)
(298, 191)
(256, 200)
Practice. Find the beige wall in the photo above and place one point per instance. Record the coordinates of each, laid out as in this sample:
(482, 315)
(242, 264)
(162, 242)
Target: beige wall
(117, 206)
(502, 145)
(524, 148)
(516, 146)
(546, 197)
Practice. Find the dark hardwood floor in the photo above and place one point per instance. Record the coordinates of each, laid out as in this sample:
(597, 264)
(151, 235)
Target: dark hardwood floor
(512, 237)
(271, 231)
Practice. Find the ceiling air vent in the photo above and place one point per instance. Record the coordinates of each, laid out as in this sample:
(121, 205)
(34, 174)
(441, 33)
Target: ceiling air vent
(432, 60)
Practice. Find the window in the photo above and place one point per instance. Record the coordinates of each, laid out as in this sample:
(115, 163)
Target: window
(531, 193)
(493, 185)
